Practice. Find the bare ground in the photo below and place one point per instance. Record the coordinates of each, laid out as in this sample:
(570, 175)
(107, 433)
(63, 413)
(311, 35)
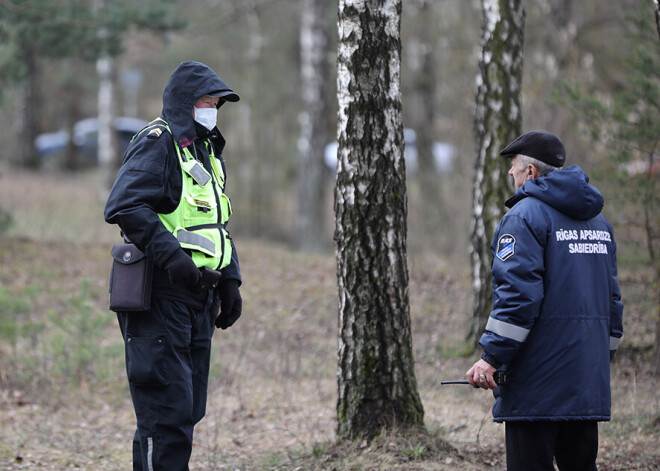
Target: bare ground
(273, 386)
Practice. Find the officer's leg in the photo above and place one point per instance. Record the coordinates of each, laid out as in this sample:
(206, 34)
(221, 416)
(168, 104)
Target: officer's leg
(137, 452)
(577, 446)
(160, 379)
(530, 445)
(200, 352)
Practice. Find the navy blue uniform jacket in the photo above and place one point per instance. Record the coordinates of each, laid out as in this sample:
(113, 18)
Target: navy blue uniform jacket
(557, 311)
(149, 180)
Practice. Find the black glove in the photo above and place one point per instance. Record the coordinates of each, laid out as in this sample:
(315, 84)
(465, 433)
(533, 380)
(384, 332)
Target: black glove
(181, 269)
(231, 303)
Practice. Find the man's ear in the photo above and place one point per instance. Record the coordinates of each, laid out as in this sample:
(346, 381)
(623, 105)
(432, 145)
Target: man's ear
(532, 171)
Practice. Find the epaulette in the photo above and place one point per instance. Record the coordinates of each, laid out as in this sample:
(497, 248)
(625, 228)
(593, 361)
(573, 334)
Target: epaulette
(154, 129)
(155, 132)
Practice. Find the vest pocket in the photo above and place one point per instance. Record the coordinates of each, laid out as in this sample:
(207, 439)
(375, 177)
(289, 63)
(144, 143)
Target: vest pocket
(198, 209)
(227, 250)
(145, 361)
(225, 208)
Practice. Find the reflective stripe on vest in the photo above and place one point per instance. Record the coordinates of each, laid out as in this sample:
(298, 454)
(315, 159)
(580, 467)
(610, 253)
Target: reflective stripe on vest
(199, 219)
(196, 240)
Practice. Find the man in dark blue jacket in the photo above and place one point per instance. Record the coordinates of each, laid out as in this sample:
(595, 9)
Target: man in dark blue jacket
(557, 313)
(168, 199)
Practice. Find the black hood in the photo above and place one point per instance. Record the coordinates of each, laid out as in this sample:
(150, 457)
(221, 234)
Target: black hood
(189, 82)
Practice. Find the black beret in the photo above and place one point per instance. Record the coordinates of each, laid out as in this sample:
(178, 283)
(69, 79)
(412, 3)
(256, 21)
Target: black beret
(541, 145)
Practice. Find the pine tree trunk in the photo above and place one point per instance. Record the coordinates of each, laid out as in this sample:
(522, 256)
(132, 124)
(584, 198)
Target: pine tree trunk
(425, 85)
(313, 126)
(26, 124)
(376, 381)
(498, 119)
(656, 4)
(73, 106)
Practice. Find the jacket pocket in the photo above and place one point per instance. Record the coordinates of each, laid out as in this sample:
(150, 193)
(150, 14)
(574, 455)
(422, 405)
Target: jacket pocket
(145, 361)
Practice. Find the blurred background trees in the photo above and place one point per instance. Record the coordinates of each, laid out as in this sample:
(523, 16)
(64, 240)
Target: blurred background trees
(314, 119)
(67, 33)
(48, 50)
(497, 121)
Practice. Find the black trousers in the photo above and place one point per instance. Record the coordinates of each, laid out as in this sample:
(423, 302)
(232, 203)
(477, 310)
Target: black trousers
(167, 362)
(532, 445)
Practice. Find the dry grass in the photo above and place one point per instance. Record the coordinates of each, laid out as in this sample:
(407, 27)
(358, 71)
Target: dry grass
(273, 386)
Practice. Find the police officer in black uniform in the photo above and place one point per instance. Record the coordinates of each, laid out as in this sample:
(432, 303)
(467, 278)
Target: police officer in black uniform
(168, 346)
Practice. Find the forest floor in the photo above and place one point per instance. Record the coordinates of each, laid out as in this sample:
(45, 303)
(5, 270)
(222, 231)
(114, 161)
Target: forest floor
(64, 403)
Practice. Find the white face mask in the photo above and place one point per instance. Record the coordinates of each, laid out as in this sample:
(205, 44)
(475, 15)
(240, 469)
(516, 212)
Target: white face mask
(207, 117)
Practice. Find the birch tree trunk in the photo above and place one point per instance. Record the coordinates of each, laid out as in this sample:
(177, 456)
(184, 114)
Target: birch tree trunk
(106, 142)
(313, 125)
(498, 119)
(107, 148)
(376, 381)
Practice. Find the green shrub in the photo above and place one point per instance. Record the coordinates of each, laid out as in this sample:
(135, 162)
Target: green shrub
(74, 343)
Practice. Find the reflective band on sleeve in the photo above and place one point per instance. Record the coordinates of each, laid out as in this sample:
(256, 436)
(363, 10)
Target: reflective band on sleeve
(150, 453)
(199, 174)
(507, 330)
(197, 240)
(614, 342)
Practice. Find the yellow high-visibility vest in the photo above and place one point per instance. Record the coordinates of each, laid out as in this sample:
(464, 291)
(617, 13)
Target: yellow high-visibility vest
(198, 222)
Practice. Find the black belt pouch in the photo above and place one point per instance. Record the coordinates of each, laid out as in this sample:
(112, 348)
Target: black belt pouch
(130, 279)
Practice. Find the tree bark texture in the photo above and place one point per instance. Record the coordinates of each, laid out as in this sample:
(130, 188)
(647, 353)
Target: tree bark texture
(376, 381)
(314, 34)
(498, 119)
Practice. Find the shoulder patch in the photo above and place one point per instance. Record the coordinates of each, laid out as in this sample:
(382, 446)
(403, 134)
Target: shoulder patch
(506, 247)
(154, 133)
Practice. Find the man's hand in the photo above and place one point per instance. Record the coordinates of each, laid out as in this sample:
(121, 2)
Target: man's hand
(231, 303)
(180, 268)
(481, 375)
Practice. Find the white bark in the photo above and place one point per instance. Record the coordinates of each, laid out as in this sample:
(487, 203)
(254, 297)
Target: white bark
(376, 380)
(498, 121)
(106, 143)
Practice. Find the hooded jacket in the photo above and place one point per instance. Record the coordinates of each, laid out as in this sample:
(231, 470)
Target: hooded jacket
(149, 181)
(557, 311)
